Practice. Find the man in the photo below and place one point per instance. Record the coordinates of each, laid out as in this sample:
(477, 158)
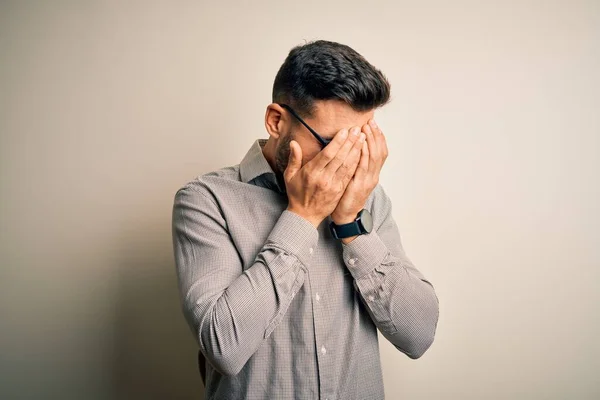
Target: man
(290, 261)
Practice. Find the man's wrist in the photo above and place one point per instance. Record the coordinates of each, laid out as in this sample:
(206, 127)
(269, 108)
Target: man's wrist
(343, 219)
(348, 239)
(313, 220)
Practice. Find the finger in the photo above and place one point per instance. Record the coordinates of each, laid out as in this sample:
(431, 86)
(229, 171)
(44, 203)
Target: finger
(362, 169)
(325, 156)
(384, 148)
(294, 161)
(380, 140)
(346, 171)
(341, 156)
(375, 128)
(373, 150)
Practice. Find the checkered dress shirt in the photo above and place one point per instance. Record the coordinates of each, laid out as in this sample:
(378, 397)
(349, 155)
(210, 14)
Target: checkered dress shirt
(282, 310)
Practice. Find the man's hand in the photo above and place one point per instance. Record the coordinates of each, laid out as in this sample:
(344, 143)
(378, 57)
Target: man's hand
(315, 189)
(374, 154)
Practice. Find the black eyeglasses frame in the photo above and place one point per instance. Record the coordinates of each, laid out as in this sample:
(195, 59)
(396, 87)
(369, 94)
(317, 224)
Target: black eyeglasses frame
(324, 142)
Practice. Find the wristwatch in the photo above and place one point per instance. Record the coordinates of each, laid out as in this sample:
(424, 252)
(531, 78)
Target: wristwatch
(361, 225)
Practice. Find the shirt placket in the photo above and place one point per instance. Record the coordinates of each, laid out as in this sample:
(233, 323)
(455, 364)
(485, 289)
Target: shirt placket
(323, 348)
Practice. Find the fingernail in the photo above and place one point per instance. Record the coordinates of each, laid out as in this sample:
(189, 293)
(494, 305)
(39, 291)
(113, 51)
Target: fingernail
(344, 133)
(374, 124)
(355, 131)
(362, 137)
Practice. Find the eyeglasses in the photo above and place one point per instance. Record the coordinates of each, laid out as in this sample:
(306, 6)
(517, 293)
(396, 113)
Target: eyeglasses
(324, 142)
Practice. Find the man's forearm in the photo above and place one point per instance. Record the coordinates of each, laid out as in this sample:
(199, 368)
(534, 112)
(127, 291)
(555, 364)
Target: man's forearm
(233, 323)
(399, 300)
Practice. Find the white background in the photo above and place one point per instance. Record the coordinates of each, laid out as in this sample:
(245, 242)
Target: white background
(106, 108)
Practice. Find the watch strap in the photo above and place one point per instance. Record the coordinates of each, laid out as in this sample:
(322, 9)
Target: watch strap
(346, 230)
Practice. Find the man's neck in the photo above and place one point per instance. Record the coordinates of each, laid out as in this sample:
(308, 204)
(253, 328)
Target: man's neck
(269, 153)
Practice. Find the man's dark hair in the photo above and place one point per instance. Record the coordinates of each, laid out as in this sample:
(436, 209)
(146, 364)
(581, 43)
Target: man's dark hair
(324, 70)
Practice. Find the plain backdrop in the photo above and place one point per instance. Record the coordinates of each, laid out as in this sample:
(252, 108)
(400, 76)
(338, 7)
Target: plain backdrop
(108, 107)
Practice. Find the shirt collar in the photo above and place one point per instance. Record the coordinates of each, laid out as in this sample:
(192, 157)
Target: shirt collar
(256, 170)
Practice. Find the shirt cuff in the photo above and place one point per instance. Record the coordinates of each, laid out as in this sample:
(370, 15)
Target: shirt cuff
(364, 253)
(294, 235)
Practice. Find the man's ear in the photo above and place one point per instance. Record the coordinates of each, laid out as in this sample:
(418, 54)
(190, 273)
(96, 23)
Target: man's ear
(275, 120)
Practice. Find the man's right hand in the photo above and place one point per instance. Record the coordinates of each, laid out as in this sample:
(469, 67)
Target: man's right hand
(315, 189)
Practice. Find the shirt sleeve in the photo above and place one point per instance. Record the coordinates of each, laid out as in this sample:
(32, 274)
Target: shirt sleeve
(401, 302)
(231, 310)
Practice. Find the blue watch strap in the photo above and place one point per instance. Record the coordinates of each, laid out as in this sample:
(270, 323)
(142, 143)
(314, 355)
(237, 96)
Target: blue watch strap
(345, 230)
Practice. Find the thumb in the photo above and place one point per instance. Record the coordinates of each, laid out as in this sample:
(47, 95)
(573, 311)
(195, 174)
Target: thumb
(295, 159)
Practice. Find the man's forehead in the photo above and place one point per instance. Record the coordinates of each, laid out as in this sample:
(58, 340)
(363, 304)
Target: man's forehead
(332, 116)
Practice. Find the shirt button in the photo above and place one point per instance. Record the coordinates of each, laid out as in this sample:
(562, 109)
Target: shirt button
(310, 250)
(371, 298)
(352, 261)
(323, 350)
(318, 297)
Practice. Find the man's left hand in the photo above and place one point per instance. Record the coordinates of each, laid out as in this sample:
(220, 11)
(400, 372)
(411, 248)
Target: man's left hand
(366, 177)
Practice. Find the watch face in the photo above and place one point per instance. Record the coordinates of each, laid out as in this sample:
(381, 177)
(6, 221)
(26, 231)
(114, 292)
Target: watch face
(366, 220)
